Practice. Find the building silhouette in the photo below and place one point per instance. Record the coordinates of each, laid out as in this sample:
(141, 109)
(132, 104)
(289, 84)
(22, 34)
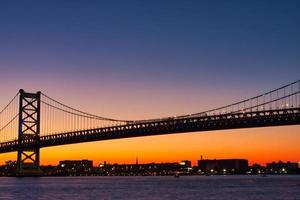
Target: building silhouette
(282, 167)
(225, 166)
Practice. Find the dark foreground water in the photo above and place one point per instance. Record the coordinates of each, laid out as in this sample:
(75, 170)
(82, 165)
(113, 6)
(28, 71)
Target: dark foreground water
(193, 187)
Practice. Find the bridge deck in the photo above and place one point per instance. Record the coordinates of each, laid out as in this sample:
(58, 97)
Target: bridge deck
(166, 126)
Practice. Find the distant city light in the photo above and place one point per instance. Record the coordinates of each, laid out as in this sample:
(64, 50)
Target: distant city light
(283, 170)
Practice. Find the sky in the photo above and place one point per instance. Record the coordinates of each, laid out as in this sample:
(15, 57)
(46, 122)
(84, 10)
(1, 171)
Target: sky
(146, 59)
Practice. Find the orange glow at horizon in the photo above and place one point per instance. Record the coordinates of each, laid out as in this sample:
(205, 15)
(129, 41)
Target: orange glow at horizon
(258, 145)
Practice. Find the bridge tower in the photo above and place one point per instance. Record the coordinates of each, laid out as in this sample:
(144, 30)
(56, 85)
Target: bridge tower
(28, 162)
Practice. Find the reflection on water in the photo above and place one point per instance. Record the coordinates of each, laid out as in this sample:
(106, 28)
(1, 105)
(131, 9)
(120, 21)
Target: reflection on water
(192, 187)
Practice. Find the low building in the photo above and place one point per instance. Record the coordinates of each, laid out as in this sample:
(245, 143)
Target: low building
(49, 170)
(9, 169)
(140, 169)
(75, 167)
(282, 167)
(256, 169)
(223, 166)
(186, 163)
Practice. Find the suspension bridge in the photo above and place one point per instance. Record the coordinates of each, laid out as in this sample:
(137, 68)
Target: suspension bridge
(31, 121)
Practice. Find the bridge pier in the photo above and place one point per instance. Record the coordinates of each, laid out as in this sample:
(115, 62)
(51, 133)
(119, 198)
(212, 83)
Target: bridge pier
(28, 161)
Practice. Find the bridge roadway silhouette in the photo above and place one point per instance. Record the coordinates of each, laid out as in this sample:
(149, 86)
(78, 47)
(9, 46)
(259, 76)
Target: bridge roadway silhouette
(37, 120)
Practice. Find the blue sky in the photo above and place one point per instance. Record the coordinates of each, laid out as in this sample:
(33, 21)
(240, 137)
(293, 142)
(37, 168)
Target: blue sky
(238, 47)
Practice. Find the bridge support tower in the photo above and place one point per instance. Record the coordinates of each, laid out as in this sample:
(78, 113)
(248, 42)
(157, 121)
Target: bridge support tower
(28, 162)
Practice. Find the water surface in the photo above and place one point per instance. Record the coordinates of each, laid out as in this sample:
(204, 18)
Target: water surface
(189, 187)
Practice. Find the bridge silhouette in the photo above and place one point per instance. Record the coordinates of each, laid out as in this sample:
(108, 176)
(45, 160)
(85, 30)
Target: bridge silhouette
(31, 121)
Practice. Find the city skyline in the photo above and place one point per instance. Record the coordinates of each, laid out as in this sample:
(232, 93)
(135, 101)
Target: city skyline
(143, 60)
(207, 167)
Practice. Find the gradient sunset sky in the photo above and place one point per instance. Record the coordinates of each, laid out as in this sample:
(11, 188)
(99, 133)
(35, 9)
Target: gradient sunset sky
(149, 59)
